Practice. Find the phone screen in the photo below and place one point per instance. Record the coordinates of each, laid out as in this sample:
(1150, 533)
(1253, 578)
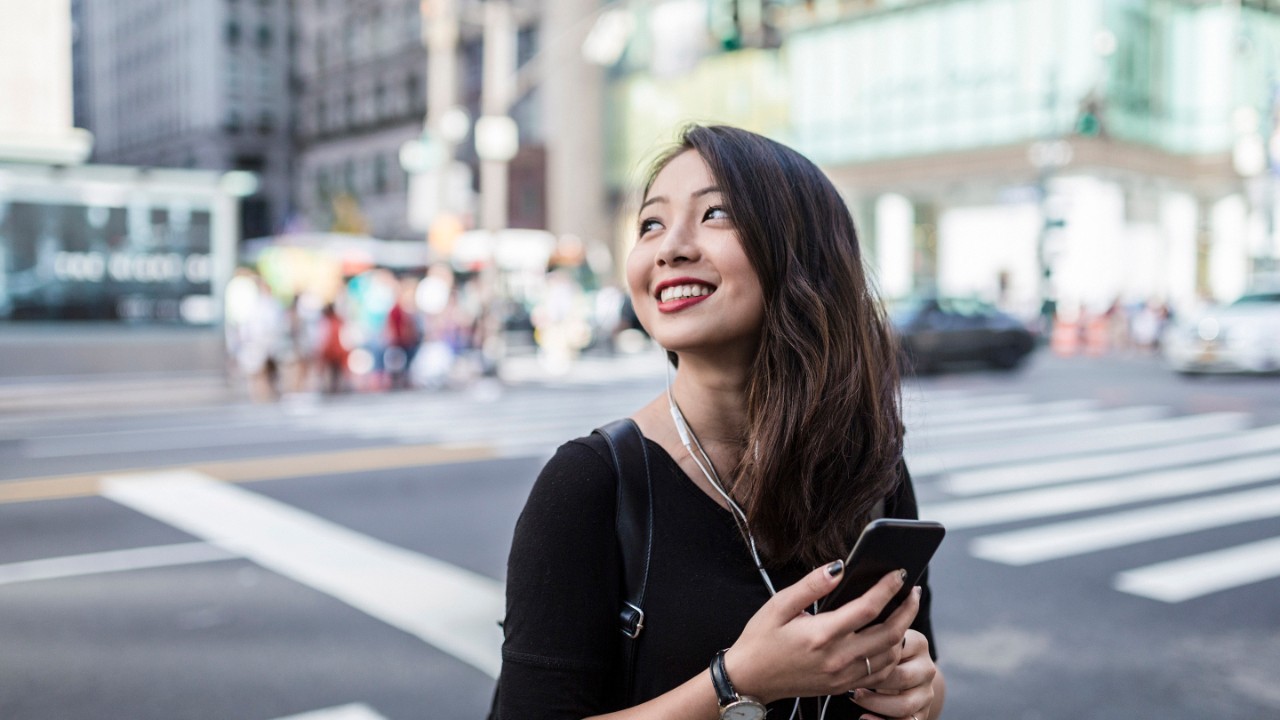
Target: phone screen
(886, 545)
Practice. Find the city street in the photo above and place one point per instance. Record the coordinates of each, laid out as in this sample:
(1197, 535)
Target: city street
(1113, 548)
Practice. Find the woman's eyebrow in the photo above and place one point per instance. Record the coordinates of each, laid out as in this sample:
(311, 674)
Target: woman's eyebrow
(696, 194)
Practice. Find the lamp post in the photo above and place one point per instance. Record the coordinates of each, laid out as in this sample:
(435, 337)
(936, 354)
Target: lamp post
(497, 137)
(1046, 157)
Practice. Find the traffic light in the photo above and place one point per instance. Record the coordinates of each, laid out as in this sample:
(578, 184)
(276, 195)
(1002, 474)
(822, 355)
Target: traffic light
(722, 21)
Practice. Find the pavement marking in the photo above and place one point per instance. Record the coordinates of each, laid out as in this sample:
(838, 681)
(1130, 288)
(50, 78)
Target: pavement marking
(1117, 437)
(1029, 504)
(255, 469)
(1091, 418)
(970, 414)
(1191, 577)
(354, 711)
(1026, 475)
(107, 444)
(1078, 537)
(934, 401)
(450, 608)
(112, 561)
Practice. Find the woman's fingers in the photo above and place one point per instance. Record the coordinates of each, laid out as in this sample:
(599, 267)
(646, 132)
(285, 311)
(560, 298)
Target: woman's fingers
(857, 613)
(792, 601)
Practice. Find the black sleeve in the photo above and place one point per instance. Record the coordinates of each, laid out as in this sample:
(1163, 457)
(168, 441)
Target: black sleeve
(561, 631)
(902, 504)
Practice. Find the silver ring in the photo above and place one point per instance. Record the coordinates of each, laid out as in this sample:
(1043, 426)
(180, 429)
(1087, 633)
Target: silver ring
(868, 662)
(913, 717)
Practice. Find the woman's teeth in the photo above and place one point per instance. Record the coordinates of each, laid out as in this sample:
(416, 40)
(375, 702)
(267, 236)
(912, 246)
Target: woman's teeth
(679, 292)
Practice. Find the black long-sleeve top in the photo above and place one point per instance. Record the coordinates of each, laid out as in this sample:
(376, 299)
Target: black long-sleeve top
(562, 654)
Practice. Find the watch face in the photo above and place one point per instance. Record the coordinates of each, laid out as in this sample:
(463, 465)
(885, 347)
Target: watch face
(743, 710)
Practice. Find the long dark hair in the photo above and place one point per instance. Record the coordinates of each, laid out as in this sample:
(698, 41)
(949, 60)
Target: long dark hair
(824, 436)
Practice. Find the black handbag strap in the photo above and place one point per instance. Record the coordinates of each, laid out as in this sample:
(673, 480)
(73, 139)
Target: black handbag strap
(635, 527)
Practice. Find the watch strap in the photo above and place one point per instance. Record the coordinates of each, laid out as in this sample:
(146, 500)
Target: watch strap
(725, 693)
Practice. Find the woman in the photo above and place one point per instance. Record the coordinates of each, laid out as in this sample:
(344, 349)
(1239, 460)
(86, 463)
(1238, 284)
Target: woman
(747, 270)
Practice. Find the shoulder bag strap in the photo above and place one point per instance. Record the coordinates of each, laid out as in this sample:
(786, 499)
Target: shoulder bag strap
(635, 528)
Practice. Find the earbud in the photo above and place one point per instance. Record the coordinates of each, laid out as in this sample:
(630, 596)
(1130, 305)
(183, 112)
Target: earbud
(681, 427)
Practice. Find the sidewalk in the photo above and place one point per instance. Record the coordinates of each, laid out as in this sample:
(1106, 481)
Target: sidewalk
(87, 367)
(71, 366)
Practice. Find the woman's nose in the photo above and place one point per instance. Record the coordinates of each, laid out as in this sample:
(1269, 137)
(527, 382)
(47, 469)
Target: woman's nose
(679, 245)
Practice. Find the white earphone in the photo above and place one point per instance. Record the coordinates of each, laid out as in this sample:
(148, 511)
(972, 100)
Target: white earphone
(690, 441)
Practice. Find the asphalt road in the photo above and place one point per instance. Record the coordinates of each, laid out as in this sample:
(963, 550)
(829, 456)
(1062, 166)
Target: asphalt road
(343, 559)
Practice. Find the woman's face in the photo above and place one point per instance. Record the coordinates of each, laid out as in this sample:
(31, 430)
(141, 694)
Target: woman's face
(692, 285)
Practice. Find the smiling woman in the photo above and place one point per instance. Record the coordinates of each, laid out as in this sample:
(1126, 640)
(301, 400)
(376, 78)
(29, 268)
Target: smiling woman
(777, 441)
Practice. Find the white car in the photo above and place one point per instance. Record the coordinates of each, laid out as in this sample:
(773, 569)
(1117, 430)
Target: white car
(1243, 337)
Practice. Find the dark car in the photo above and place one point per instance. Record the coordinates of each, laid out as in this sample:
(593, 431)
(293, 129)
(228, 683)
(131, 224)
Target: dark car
(940, 331)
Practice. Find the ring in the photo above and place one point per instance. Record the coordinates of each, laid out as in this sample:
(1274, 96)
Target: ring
(868, 662)
(913, 717)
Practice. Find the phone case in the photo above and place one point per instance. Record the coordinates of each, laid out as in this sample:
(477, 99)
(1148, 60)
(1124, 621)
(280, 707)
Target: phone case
(886, 545)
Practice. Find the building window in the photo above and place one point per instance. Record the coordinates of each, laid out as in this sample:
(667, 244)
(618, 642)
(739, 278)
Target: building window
(379, 173)
(349, 177)
(266, 123)
(264, 37)
(233, 33)
(413, 90)
(233, 123)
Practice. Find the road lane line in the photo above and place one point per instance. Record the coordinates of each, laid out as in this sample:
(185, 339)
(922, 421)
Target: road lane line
(44, 449)
(1197, 575)
(1092, 418)
(453, 609)
(254, 469)
(1078, 537)
(1118, 437)
(112, 561)
(932, 401)
(1001, 412)
(354, 711)
(1027, 475)
(1030, 504)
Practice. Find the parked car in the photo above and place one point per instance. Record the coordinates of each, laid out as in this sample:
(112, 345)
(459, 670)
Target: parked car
(1242, 337)
(940, 331)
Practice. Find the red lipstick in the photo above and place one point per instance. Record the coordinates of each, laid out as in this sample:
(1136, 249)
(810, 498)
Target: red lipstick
(678, 304)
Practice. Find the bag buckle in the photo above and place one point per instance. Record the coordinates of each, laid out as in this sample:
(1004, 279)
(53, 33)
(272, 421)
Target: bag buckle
(632, 620)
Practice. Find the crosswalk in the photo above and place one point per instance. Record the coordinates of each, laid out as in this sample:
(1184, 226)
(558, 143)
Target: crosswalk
(1081, 480)
(1072, 477)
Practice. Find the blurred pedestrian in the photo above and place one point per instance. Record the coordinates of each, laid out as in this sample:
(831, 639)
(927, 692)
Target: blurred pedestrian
(333, 351)
(404, 335)
(257, 334)
(776, 443)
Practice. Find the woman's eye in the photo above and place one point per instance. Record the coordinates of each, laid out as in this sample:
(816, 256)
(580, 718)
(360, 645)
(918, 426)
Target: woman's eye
(716, 213)
(647, 225)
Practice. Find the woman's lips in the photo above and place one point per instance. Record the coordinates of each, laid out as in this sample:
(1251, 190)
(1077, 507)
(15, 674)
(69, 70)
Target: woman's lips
(679, 304)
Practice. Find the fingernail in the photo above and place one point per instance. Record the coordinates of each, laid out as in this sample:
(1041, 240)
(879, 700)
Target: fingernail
(835, 568)
(902, 575)
(918, 591)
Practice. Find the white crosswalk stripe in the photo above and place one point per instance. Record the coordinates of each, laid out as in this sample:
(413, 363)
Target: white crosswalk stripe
(1087, 478)
(1129, 475)
(1094, 439)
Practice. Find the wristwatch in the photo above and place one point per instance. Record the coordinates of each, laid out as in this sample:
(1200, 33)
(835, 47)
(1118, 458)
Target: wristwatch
(732, 705)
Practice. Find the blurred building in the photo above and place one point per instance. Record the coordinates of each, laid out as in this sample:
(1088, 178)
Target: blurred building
(191, 85)
(362, 93)
(102, 242)
(1080, 151)
(36, 120)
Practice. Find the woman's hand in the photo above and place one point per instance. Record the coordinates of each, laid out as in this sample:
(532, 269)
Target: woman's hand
(786, 652)
(908, 691)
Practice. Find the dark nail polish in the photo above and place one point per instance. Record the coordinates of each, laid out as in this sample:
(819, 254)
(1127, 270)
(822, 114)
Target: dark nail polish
(835, 568)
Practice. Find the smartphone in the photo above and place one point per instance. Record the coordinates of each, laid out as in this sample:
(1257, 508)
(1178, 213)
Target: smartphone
(886, 545)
